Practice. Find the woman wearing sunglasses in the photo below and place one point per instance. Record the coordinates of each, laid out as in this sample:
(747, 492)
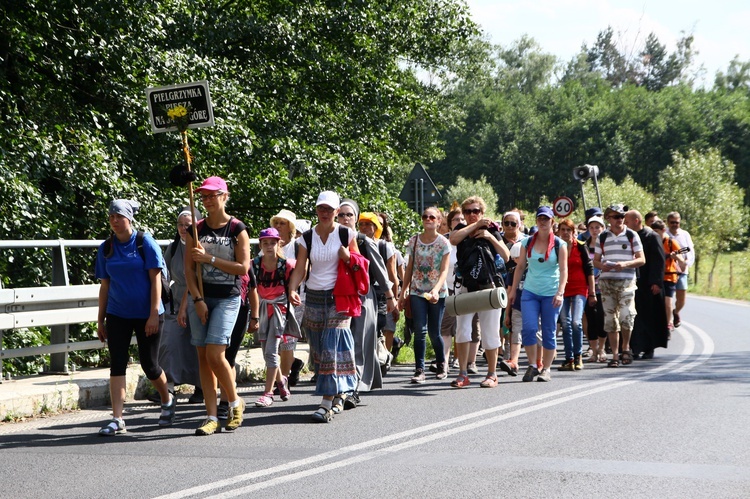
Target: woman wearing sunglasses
(477, 231)
(425, 287)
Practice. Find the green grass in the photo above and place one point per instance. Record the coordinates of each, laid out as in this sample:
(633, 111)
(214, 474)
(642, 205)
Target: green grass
(406, 355)
(731, 278)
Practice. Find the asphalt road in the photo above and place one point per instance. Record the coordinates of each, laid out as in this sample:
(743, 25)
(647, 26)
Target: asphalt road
(675, 426)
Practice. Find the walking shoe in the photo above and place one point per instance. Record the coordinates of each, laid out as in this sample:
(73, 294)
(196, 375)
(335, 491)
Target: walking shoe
(235, 417)
(208, 427)
(456, 364)
(433, 366)
(567, 366)
(197, 396)
(442, 371)
(396, 348)
(531, 373)
(387, 366)
(297, 366)
(222, 410)
(472, 368)
(283, 387)
(351, 401)
(489, 382)
(166, 418)
(460, 382)
(544, 375)
(676, 322)
(322, 415)
(418, 377)
(265, 400)
(114, 427)
(509, 367)
(578, 364)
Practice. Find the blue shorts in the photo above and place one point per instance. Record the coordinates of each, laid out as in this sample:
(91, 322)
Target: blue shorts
(222, 314)
(682, 282)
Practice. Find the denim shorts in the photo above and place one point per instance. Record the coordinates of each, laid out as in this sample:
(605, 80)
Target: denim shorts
(222, 314)
(682, 282)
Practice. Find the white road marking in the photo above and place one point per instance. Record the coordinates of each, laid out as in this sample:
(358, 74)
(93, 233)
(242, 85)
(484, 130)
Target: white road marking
(406, 439)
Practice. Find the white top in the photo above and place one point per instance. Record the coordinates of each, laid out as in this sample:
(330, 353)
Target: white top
(685, 241)
(324, 258)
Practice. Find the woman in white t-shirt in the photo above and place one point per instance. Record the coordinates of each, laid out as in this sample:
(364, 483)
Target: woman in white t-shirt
(329, 333)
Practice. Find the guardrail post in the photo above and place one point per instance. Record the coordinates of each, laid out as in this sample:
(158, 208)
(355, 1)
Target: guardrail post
(1, 362)
(59, 334)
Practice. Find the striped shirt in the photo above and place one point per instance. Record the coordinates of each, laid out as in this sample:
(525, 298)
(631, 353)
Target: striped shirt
(617, 248)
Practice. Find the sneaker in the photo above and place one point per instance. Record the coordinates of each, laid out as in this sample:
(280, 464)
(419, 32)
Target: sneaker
(531, 373)
(509, 367)
(283, 387)
(352, 401)
(568, 365)
(489, 382)
(472, 368)
(396, 348)
(676, 322)
(456, 364)
(265, 400)
(208, 427)
(297, 366)
(387, 366)
(442, 371)
(222, 410)
(418, 377)
(461, 382)
(166, 418)
(578, 363)
(114, 427)
(433, 366)
(235, 417)
(544, 375)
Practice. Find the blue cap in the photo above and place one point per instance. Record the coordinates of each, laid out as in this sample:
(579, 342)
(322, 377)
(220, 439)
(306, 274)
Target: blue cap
(545, 211)
(594, 211)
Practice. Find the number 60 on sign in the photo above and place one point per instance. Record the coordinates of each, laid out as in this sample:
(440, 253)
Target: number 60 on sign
(563, 206)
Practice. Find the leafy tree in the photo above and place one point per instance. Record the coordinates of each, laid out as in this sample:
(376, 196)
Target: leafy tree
(737, 76)
(701, 187)
(465, 188)
(626, 192)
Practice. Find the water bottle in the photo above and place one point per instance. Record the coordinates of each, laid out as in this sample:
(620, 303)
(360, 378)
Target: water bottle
(499, 264)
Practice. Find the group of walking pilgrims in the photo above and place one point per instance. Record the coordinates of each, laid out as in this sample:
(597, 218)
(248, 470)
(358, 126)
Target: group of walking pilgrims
(342, 286)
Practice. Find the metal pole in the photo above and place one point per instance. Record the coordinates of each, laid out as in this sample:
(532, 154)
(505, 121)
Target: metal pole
(583, 195)
(58, 362)
(596, 186)
(421, 196)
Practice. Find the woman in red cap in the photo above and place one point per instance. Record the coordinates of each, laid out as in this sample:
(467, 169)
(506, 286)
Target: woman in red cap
(223, 252)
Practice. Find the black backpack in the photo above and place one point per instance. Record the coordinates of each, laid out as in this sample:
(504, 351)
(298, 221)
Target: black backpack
(476, 268)
(166, 292)
(307, 236)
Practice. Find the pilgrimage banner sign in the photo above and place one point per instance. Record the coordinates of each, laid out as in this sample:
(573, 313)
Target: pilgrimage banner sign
(195, 97)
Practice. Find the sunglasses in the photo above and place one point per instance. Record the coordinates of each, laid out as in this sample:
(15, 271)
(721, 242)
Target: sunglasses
(509, 223)
(617, 217)
(472, 211)
(429, 217)
(345, 215)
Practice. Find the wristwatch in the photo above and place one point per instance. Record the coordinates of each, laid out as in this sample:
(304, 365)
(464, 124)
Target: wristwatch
(254, 318)
(213, 260)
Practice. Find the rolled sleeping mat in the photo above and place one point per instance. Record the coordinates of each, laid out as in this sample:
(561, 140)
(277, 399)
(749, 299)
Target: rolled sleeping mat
(476, 301)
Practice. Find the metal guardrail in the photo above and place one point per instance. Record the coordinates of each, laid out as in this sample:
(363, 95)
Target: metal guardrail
(56, 306)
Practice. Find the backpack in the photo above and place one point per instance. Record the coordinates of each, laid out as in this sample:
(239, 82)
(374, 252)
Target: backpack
(476, 269)
(166, 292)
(278, 277)
(245, 278)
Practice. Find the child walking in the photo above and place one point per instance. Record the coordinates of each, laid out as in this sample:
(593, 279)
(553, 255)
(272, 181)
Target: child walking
(272, 271)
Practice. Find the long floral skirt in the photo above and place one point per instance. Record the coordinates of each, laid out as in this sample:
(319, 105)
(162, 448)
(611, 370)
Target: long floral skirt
(331, 344)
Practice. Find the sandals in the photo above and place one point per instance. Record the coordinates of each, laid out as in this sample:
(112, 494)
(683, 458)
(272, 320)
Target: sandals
(265, 400)
(613, 363)
(338, 404)
(489, 382)
(322, 415)
(626, 357)
(114, 427)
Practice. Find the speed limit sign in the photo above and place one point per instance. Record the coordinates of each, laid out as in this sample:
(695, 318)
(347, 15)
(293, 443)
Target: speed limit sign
(563, 206)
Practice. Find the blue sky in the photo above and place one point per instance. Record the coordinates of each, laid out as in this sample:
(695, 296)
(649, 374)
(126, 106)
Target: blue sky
(721, 27)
